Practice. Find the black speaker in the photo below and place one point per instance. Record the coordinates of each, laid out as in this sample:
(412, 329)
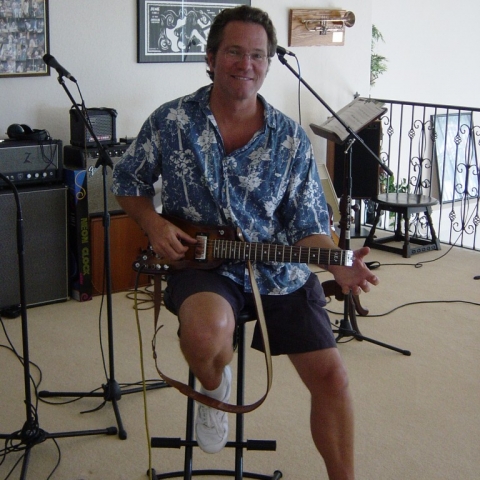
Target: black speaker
(365, 168)
(103, 123)
(44, 213)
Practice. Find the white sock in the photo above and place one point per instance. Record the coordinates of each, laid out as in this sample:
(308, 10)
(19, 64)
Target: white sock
(219, 392)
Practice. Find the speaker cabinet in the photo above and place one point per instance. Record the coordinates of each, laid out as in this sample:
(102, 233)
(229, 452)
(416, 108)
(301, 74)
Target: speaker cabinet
(365, 168)
(44, 214)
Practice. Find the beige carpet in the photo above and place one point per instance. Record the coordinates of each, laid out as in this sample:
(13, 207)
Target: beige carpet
(417, 417)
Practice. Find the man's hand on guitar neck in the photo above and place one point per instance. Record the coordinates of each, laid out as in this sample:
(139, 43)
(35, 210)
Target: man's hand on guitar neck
(355, 278)
(166, 240)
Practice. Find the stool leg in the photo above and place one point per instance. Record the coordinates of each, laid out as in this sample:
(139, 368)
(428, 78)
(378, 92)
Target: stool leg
(239, 425)
(188, 460)
(371, 235)
(406, 244)
(428, 214)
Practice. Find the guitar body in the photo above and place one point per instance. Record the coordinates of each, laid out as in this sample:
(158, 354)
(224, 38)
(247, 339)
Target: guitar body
(195, 258)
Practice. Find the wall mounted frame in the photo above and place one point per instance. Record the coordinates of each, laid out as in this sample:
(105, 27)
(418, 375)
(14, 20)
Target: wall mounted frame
(24, 33)
(318, 27)
(176, 31)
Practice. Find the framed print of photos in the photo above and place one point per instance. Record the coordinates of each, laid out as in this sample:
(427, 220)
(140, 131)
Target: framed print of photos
(23, 38)
(176, 31)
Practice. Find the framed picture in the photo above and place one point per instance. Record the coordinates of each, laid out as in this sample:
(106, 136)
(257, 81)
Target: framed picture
(456, 156)
(176, 31)
(23, 38)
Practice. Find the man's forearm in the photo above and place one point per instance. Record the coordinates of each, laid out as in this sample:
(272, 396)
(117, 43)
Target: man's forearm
(141, 209)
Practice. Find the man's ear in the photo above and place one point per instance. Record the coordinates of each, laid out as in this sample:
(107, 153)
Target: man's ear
(211, 60)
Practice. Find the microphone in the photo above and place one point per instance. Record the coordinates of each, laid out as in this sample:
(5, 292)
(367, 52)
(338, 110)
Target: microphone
(51, 62)
(283, 51)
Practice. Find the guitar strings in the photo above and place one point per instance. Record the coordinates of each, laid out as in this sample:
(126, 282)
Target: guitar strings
(233, 249)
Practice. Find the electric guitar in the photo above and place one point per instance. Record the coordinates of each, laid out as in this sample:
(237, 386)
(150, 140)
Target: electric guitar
(216, 244)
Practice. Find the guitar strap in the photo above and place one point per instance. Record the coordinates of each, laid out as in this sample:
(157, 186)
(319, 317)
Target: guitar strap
(194, 394)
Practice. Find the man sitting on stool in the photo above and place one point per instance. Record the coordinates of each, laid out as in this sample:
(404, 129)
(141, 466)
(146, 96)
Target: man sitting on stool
(227, 157)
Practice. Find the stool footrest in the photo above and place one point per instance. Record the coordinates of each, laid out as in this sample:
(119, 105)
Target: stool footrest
(277, 474)
(266, 445)
(172, 442)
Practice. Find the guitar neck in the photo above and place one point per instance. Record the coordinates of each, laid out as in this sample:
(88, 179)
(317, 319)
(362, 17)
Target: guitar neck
(215, 244)
(261, 252)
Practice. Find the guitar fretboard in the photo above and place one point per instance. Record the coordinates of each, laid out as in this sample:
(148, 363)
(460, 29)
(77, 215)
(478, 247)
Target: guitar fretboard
(237, 250)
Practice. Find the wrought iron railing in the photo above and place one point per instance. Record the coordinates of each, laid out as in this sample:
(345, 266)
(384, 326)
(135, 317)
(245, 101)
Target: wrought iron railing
(433, 150)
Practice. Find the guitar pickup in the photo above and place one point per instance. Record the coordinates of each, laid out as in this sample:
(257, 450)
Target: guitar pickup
(201, 247)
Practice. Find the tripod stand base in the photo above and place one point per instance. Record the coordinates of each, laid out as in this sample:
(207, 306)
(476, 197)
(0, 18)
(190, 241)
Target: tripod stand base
(29, 437)
(111, 393)
(345, 330)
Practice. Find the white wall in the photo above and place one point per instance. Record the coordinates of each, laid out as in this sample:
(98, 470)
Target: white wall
(97, 41)
(431, 47)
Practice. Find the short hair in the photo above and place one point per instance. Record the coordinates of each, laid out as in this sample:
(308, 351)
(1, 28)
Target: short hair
(242, 13)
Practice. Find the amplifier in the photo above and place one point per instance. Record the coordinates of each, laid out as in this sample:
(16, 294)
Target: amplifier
(103, 122)
(44, 213)
(28, 163)
(85, 159)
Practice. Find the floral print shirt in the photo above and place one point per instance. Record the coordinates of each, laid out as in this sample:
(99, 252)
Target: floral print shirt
(269, 188)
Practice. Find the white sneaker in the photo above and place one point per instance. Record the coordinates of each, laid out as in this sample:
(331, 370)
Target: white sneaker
(211, 426)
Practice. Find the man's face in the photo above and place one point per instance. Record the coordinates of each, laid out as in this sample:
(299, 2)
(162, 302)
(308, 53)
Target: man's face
(241, 63)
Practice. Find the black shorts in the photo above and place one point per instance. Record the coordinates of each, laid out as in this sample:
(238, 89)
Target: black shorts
(296, 322)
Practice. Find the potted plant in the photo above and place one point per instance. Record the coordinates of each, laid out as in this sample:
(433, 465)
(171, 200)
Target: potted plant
(378, 63)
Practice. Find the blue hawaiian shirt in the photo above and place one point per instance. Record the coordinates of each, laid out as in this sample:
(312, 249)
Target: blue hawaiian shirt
(269, 188)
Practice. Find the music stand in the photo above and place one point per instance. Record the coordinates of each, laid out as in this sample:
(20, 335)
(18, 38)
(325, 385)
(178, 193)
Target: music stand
(359, 113)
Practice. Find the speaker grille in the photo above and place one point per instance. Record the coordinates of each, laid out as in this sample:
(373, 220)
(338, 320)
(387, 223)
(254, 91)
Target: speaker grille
(44, 213)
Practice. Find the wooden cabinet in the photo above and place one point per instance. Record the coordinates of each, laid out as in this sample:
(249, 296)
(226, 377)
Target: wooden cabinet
(127, 240)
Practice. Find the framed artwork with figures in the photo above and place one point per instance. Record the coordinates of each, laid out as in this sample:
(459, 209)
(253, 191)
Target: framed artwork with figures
(176, 31)
(23, 38)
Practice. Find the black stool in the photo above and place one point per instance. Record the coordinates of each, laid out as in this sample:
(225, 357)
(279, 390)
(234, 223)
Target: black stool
(405, 205)
(239, 444)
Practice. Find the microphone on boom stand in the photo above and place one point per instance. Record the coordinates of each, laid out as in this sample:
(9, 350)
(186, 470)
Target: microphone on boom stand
(112, 392)
(63, 72)
(283, 51)
(345, 329)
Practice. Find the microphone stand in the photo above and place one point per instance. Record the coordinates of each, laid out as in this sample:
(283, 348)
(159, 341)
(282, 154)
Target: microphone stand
(111, 390)
(345, 326)
(31, 434)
